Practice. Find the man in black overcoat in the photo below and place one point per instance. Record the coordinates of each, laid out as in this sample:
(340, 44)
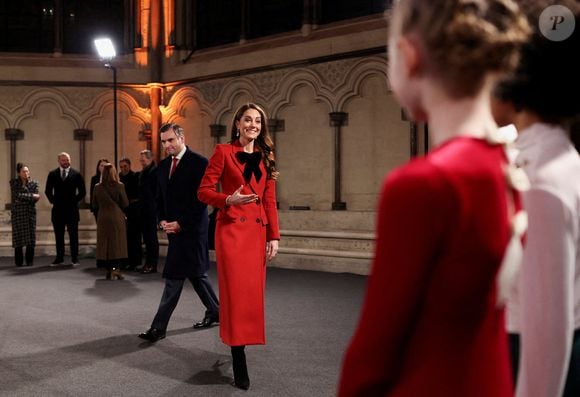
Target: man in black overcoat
(65, 188)
(185, 220)
(148, 193)
(130, 179)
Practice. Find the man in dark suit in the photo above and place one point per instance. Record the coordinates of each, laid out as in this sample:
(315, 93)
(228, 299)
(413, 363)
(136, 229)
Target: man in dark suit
(184, 218)
(65, 188)
(130, 179)
(148, 188)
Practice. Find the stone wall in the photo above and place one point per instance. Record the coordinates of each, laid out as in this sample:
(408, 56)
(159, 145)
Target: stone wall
(298, 95)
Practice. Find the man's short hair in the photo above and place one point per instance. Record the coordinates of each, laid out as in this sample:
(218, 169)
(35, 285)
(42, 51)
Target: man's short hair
(125, 160)
(147, 153)
(172, 126)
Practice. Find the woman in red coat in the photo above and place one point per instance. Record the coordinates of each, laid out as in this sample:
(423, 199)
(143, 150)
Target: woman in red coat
(447, 231)
(247, 231)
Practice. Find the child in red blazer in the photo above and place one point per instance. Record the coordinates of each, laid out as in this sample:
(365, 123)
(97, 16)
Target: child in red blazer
(432, 324)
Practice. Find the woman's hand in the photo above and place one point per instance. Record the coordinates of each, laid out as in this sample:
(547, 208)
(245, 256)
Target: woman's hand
(237, 198)
(271, 249)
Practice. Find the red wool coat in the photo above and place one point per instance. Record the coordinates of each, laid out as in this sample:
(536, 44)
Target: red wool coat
(240, 239)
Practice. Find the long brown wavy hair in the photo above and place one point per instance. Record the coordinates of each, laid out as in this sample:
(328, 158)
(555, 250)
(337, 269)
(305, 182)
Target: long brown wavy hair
(263, 141)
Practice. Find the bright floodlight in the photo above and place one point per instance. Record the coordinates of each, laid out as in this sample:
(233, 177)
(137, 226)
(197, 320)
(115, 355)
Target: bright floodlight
(105, 48)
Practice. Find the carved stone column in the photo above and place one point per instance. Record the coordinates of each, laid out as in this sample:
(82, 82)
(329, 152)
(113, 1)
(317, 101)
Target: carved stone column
(307, 18)
(275, 126)
(310, 16)
(338, 120)
(13, 135)
(156, 47)
(58, 24)
(155, 99)
(245, 22)
(217, 131)
(83, 135)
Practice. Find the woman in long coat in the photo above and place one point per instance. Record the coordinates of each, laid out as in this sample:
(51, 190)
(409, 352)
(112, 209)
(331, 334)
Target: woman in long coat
(247, 230)
(109, 199)
(24, 192)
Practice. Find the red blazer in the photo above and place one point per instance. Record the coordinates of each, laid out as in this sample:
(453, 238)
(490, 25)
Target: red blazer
(225, 167)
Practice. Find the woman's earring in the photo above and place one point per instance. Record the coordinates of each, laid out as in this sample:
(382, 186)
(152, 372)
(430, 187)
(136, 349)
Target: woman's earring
(238, 133)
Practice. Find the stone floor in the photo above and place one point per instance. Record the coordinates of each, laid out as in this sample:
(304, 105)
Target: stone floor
(68, 332)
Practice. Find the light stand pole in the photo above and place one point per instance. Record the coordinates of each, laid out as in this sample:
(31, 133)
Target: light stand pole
(107, 52)
(115, 131)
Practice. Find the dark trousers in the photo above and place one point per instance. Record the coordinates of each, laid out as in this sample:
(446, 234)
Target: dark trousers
(133, 236)
(572, 386)
(172, 292)
(149, 231)
(19, 255)
(73, 234)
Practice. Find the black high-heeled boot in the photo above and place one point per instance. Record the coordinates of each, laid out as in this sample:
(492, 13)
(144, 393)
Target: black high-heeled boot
(116, 274)
(241, 378)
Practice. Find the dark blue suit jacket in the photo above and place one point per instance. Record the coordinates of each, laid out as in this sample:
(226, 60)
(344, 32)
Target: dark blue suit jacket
(187, 253)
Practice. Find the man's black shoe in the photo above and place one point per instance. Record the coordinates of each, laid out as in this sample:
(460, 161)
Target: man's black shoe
(152, 335)
(57, 262)
(206, 322)
(148, 269)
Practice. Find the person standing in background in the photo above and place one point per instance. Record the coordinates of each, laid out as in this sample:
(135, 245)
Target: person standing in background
(544, 307)
(24, 195)
(148, 191)
(184, 219)
(449, 224)
(65, 189)
(247, 231)
(94, 180)
(110, 200)
(131, 181)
